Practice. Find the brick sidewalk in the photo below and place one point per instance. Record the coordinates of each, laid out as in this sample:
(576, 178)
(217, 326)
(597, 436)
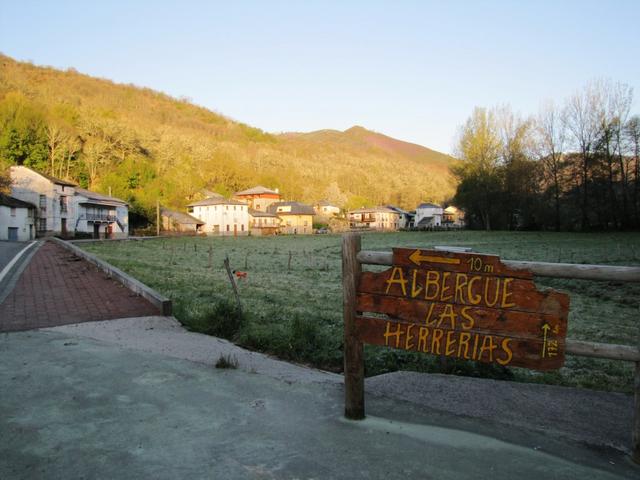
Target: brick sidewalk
(58, 288)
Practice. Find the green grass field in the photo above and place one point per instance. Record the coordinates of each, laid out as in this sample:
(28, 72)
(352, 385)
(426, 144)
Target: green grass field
(292, 299)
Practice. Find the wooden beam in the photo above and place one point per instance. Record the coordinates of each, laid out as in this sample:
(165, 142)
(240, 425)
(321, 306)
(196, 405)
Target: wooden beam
(603, 350)
(541, 269)
(353, 349)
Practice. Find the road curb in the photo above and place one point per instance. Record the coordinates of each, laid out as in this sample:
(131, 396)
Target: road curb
(160, 301)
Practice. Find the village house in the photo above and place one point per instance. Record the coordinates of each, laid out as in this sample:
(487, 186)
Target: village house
(67, 210)
(405, 219)
(179, 222)
(376, 218)
(326, 209)
(453, 217)
(258, 198)
(100, 216)
(17, 219)
(221, 216)
(295, 218)
(263, 223)
(428, 215)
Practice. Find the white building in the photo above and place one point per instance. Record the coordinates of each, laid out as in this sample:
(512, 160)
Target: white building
(326, 209)
(67, 210)
(99, 215)
(221, 216)
(376, 218)
(453, 217)
(53, 198)
(17, 219)
(428, 215)
(405, 219)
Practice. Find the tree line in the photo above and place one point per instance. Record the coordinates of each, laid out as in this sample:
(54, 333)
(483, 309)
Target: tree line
(572, 166)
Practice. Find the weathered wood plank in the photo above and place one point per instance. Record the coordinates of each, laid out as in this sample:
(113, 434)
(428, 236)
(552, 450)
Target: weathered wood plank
(452, 261)
(460, 317)
(537, 354)
(463, 289)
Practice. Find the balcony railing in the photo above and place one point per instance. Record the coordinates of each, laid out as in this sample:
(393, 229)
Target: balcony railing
(99, 217)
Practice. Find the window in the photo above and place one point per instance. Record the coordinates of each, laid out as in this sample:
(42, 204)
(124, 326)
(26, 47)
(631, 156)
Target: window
(42, 224)
(242, 227)
(43, 203)
(234, 208)
(13, 211)
(63, 204)
(227, 228)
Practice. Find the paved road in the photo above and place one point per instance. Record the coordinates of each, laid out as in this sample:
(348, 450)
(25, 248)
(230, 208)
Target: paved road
(58, 288)
(78, 408)
(8, 250)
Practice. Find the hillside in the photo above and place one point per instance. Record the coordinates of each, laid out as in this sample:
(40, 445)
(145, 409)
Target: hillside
(146, 145)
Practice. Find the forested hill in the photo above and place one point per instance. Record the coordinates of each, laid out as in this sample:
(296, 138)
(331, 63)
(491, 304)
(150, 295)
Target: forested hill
(145, 145)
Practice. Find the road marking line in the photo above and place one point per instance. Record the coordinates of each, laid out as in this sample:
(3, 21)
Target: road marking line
(6, 269)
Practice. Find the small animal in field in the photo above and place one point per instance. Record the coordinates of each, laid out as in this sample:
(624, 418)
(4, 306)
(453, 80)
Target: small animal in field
(240, 275)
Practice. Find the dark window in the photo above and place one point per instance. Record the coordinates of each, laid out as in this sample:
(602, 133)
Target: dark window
(43, 203)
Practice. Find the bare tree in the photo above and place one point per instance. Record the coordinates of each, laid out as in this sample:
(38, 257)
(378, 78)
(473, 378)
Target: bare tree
(583, 114)
(632, 134)
(551, 139)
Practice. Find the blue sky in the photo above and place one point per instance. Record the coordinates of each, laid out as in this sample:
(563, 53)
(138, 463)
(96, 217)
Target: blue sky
(412, 70)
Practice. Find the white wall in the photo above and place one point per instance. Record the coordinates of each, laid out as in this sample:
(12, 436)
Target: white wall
(28, 185)
(225, 217)
(20, 220)
(435, 212)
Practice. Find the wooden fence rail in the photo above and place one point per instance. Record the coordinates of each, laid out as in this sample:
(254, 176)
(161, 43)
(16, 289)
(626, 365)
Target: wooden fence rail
(353, 258)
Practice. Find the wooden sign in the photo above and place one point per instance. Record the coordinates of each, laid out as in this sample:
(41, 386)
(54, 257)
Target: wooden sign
(462, 305)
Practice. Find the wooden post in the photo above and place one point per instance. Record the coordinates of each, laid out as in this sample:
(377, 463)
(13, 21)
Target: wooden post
(210, 251)
(158, 218)
(233, 283)
(635, 436)
(353, 350)
(289, 262)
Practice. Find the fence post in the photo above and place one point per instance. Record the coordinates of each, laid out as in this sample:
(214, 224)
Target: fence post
(635, 436)
(353, 350)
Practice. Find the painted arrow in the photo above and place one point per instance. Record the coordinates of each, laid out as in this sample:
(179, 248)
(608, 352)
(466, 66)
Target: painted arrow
(545, 328)
(417, 258)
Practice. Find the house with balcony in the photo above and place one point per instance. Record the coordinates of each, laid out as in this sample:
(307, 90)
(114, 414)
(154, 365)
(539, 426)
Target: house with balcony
(100, 216)
(17, 219)
(295, 218)
(263, 223)
(258, 198)
(221, 216)
(381, 219)
(453, 217)
(428, 215)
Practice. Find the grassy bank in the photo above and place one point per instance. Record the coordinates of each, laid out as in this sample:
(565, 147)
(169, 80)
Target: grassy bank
(292, 299)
